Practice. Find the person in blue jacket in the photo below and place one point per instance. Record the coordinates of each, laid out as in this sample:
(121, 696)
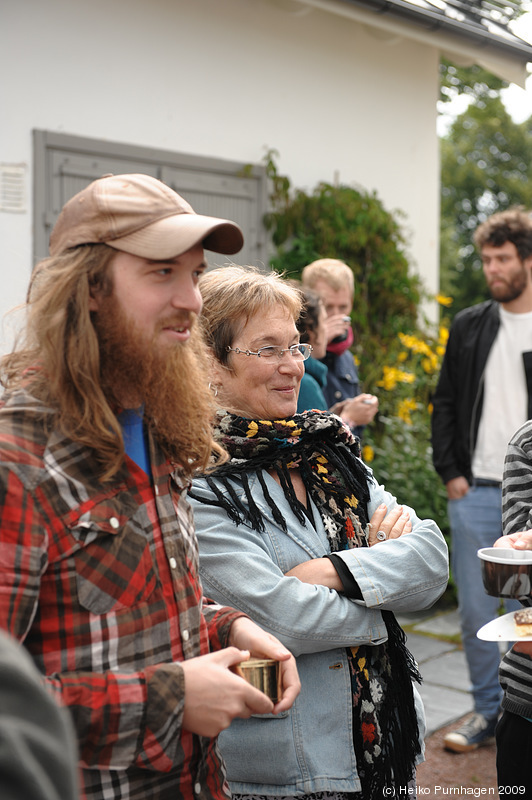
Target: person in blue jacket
(333, 281)
(295, 530)
(312, 326)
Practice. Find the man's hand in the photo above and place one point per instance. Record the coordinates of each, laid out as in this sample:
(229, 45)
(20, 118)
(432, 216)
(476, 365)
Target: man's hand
(457, 488)
(337, 325)
(246, 635)
(522, 540)
(214, 695)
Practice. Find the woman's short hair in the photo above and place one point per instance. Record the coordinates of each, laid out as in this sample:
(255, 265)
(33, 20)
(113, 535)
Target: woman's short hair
(332, 271)
(232, 295)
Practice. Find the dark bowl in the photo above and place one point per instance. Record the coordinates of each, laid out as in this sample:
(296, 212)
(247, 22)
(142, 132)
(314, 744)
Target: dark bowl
(506, 572)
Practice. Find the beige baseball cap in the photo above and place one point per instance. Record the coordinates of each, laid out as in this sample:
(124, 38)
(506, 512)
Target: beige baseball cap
(141, 215)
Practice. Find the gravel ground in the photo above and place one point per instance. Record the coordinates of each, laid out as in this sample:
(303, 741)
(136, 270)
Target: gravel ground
(445, 774)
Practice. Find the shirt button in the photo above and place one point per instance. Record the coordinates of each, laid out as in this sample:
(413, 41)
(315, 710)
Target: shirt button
(156, 490)
(173, 563)
(197, 788)
(338, 394)
(185, 635)
(114, 523)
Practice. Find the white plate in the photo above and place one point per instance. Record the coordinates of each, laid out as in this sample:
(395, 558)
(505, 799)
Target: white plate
(502, 629)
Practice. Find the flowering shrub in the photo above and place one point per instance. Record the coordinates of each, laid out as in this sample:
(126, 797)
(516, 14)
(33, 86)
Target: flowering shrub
(398, 362)
(397, 444)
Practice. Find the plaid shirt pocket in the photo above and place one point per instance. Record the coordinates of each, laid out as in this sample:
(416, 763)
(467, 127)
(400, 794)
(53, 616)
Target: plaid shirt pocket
(114, 565)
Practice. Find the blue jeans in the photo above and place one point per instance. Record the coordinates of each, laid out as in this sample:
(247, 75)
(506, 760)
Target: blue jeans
(476, 522)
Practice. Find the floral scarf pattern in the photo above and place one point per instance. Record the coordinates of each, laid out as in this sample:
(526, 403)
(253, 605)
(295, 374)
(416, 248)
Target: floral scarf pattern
(323, 449)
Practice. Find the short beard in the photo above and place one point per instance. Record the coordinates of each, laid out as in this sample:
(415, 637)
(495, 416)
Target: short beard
(511, 290)
(171, 383)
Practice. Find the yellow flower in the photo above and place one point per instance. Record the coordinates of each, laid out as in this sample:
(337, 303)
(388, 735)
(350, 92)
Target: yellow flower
(414, 344)
(361, 663)
(391, 376)
(430, 364)
(352, 501)
(405, 408)
(402, 356)
(368, 453)
(443, 334)
(443, 300)
(252, 429)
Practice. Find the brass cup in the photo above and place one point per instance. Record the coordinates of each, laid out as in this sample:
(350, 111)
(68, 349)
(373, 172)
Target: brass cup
(263, 674)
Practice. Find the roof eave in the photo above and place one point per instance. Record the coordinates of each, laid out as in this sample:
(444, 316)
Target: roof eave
(434, 21)
(455, 40)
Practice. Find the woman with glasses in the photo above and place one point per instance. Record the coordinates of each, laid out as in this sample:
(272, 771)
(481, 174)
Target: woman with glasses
(294, 530)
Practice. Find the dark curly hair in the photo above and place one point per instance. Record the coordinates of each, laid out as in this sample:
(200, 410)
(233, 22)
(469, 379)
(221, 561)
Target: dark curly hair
(513, 225)
(310, 313)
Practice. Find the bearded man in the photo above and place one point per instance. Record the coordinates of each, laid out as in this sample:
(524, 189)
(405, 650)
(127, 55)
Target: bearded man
(105, 417)
(484, 395)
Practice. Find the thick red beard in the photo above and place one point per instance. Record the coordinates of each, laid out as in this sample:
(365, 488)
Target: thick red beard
(171, 383)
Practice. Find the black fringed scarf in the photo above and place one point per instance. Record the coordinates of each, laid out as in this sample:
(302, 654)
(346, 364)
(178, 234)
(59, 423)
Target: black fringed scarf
(323, 449)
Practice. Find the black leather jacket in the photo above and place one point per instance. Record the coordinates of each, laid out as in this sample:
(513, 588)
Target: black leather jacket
(459, 394)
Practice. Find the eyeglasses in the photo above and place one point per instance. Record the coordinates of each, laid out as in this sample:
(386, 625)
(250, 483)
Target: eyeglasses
(299, 352)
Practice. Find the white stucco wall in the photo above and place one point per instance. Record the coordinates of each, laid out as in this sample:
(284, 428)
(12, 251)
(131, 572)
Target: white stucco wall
(224, 78)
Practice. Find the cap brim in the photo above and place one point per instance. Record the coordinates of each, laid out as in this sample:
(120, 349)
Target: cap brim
(174, 235)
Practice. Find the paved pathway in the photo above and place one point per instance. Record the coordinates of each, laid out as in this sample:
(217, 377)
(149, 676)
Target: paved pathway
(445, 688)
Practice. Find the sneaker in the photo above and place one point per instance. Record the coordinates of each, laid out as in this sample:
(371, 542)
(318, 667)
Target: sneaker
(476, 731)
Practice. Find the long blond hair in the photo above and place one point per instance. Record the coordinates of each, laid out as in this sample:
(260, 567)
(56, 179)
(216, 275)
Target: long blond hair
(58, 356)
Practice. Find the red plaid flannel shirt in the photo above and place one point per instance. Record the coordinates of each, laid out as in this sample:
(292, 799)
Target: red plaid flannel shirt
(100, 582)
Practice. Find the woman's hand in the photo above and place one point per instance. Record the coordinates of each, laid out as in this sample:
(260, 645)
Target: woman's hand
(318, 572)
(393, 524)
(522, 540)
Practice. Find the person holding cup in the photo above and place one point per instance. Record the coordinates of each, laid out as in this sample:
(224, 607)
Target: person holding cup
(333, 281)
(513, 733)
(296, 531)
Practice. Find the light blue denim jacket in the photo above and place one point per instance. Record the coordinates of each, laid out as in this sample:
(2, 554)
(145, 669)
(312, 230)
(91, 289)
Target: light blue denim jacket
(310, 747)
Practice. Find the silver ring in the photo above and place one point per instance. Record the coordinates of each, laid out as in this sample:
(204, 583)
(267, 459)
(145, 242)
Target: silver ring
(381, 536)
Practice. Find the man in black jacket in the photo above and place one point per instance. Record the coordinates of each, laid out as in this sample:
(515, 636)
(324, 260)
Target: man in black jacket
(484, 394)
